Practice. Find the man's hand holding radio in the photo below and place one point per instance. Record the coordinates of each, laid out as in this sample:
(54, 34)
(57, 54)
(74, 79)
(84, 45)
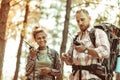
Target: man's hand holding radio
(81, 48)
(67, 58)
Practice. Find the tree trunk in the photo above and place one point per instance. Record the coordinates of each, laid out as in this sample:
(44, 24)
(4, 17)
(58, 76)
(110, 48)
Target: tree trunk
(4, 10)
(65, 31)
(20, 45)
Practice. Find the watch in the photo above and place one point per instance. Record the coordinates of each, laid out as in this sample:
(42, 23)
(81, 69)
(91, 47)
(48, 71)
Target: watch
(86, 50)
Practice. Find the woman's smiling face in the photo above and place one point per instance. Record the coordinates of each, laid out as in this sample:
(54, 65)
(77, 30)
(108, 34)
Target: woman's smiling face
(41, 39)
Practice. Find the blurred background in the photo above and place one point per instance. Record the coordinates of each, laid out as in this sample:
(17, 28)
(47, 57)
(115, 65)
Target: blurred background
(57, 17)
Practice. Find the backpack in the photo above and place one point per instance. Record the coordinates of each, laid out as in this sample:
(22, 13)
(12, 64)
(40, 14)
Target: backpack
(113, 33)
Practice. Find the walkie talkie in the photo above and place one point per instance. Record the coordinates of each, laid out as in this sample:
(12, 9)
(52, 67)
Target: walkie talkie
(30, 46)
(75, 41)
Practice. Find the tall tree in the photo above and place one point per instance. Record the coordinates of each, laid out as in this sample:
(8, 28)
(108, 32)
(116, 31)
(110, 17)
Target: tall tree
(21, 41)
(65, 31)
(4, 10)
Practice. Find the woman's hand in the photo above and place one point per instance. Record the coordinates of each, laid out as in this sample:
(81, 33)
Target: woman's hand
(49, 71)
(46, 70)
(32, 52)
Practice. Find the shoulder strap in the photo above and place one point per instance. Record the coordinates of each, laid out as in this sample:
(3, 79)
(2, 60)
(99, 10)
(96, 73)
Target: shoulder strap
(92, 36)
(54, 53)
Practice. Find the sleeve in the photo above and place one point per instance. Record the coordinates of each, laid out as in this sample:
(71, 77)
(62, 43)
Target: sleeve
(58, 66)
(69, 52)
(29, 66)
(102, 44)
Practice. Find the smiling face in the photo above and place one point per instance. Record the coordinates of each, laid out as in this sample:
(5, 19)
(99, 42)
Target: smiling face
(41, 39)
(83, 19)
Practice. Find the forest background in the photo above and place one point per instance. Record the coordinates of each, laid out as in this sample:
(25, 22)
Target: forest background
(57, 17)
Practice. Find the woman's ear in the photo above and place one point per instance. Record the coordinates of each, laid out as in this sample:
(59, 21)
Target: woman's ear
(89, 17)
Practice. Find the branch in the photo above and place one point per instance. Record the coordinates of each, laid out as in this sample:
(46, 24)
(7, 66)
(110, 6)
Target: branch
(88, 3)
(16, 3)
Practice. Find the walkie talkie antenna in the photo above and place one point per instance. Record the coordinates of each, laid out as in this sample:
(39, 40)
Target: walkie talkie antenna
(74, 39)
(28, 44)
(71, 37)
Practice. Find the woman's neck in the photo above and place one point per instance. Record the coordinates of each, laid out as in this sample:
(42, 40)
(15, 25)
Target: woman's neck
(42, 48)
